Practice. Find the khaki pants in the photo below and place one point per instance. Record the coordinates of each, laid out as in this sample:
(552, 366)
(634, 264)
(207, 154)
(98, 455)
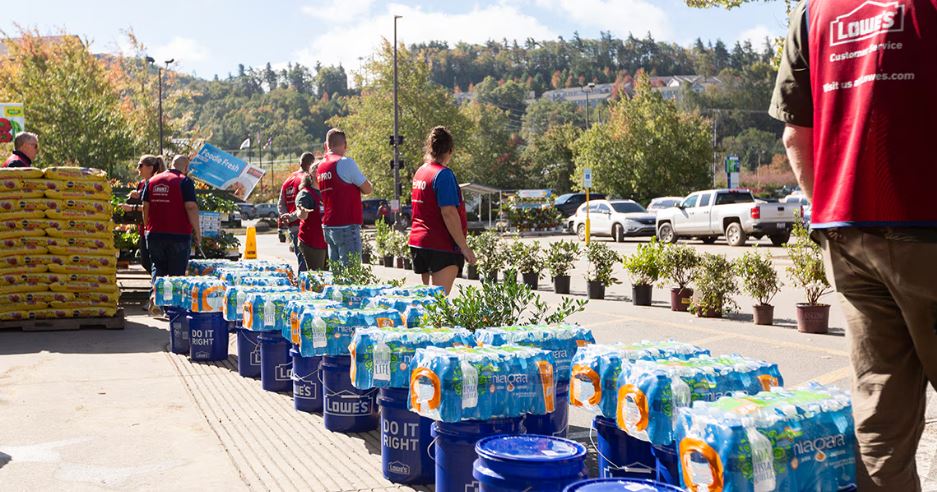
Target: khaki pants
(887, 282)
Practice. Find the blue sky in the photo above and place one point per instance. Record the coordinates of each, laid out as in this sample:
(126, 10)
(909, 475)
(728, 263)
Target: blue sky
(209, 37)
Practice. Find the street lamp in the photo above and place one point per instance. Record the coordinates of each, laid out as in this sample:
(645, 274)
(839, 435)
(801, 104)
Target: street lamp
(396, 133)
(590, 86)
(160, 73)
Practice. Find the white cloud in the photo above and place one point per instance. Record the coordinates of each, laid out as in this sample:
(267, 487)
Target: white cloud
(620, 17)
(339, 12)
(757, 36)
(345, 44)
(182, 50)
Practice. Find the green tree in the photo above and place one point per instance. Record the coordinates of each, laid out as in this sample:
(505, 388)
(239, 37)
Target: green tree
(331, 80)
(69, 101)
(423, 105)
(548, 158)
(491, 148)
(754, 147)
(543, 114)
(509, 96)
(648, 148)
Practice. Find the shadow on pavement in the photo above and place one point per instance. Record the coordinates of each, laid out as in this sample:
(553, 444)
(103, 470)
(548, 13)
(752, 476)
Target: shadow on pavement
(134, 338)
(4, 459)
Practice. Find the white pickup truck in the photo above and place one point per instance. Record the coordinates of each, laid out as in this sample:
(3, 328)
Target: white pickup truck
(731, 213)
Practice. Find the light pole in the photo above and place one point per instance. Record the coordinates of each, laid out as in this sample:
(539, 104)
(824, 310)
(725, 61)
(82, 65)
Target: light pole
(160, 73)
(396, 132)
(591, 87)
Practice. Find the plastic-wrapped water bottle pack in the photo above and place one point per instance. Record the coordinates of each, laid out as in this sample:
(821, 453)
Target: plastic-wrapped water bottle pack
(206, 267)
(785, 440)
(481, 383)
(235, 295)
(354, 296)
(411, 308)
(329, 331)
(651, 391)
(597, 368)
(267, 311)
(562, 340)
(302, 311)
(381, 356)
(267, 266)
(207, 295)
(314, 281)
(176, 291)
(416, 291)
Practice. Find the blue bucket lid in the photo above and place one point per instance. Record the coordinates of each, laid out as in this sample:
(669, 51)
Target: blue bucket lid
(620, 485)
(525, 455)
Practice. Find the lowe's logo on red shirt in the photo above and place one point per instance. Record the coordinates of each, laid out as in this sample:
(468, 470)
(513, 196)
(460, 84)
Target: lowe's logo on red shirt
(867, 21)
(161, 189)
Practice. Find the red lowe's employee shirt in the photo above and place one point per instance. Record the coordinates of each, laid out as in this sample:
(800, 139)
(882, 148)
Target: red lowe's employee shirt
(310, 228)
(167, 193)
(342, 200)
(873, 78)
(428, 229)
(289, 190)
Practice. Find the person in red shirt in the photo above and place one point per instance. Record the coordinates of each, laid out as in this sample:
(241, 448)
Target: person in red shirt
(25, 150)
(857, 89)
(341, 184)
(439, 227)
(170, 218)
(149, 166)
(308, 210)
(287, 203)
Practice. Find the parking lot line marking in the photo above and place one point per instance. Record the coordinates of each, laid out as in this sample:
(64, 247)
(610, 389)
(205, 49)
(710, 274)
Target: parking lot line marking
(601, 323)
(714, 332)
(833, 376)
(715, 338)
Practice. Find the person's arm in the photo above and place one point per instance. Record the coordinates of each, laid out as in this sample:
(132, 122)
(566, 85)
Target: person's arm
(450, 215)
(366, 188)
(798, 140)
(446, 188)
(349, 171)
(191, 209)
(281, 202)
(146, 205)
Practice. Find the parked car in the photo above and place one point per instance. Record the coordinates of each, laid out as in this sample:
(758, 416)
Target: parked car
(370, 207)
(799, 198)
(733, 213)
(616, 218)
(663, 202)
(266, 211)
(569, 203)
(247, 210)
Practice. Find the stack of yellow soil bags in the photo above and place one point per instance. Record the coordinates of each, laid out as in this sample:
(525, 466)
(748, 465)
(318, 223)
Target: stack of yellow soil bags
(57, 255)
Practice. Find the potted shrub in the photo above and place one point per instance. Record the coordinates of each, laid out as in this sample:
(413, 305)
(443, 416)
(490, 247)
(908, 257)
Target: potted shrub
(475, 244)
(759, 280)
(645, 268)
(528, 257)
(601, 260)
(678, 262)
(367, 250)
(401, 249)
(560, 258)
(490, 255)
(383, 242)
(807, 272)
(715, 284)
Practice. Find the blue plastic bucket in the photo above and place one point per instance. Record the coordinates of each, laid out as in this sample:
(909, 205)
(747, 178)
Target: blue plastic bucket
(455, 449)
(528, 463)
(620, 455)
(555, 423)
(405, 440)
(307, 382)
(346, 409)
(667, 463)
(620, 484)
(208, 337)
(178, 330)
(248, 353)
(275, 363)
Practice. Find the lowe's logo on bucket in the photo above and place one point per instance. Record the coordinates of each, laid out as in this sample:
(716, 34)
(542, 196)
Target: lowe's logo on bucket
(304, 391)
(347, 403)
(398, 467)
(284, 372)
(473, 487)
(255, 356)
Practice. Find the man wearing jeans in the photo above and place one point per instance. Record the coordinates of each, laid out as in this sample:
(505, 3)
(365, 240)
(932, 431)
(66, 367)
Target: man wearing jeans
(857, 89)
(170, 217)
(342, 185)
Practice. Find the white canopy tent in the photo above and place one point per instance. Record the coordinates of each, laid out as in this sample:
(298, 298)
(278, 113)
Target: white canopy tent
(482, 190)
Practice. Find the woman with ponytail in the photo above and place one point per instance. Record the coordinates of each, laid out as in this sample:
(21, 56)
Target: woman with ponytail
(147, 167)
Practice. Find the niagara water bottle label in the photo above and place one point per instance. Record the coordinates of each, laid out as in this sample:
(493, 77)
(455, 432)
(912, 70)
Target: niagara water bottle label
(241, 297)
(762, 461)
(319, 339)
(681, 395)
(382, 362)
(469, 386)
(167, 291)
(269, 318)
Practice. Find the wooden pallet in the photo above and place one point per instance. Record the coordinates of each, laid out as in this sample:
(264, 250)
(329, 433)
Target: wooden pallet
(115, 322)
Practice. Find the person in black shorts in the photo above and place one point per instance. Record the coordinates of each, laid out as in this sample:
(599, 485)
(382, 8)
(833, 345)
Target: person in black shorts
(439, 226)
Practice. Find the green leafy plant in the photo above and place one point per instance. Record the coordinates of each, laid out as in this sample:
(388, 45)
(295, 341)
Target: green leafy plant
(715, 284)
(561, 256)
(126, 240)
(507, 303)
(645, 265)
(489, 252)
(354, 273)
(601, 260)
(401, 244)
(383, 238)
(527, 257)
(215, 201)
(807, 271)
(218, 247)
(678, 263)
(759, 278)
